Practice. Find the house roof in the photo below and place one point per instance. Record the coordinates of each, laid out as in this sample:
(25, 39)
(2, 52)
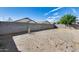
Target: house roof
(26, 20)
(44, 22)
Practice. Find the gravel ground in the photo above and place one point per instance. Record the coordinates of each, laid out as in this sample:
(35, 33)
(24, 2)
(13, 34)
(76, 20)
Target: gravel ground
(55, 40)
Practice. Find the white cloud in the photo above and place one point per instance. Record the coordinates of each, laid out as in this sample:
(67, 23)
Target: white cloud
(52, 18)
(53, 10)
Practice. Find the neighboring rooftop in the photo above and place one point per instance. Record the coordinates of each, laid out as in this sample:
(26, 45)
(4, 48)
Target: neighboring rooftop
(27, 20)
(44, 22)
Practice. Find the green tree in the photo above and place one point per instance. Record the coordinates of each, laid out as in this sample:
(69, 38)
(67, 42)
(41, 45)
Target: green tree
(67, 19)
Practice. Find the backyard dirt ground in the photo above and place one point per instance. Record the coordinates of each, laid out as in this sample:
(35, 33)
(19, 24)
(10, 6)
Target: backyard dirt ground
(55, 40)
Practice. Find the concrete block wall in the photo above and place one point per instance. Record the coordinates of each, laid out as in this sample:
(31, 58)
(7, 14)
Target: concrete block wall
(14, 27)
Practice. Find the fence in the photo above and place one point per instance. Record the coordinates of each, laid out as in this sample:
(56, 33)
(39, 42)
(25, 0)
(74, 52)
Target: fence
(15, 27)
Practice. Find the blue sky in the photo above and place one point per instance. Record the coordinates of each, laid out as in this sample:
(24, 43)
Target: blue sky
(37, 13)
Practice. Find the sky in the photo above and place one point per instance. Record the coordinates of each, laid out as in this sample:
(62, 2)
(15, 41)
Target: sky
(37, 13)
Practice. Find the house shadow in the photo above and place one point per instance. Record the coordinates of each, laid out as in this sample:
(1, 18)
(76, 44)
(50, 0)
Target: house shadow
(7, 44)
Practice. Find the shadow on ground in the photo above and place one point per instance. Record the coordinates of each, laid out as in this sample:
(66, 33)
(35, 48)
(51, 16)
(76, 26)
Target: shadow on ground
(7, 44)
(75, 26)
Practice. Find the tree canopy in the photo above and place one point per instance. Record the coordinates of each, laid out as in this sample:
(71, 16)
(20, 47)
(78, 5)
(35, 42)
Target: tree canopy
(67, 19)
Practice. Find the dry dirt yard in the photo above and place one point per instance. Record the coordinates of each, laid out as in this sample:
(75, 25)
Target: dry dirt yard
(55, 40)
